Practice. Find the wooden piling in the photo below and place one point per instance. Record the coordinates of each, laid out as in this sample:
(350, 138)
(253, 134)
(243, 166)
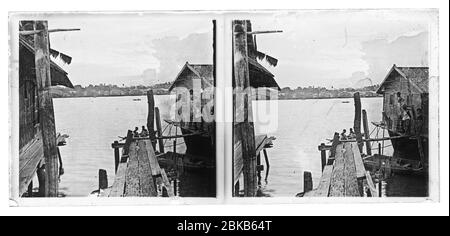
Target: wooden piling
(266, 157)
(237, 189)
(151, 117)
(379, 149)
(159, 129)
(46, 112)
(30, 189)
(102, 179)
(323, 155)
(116, 156)
(307, 182)
(357, 121)
(245, 128)
(366, 132)
(334, 146)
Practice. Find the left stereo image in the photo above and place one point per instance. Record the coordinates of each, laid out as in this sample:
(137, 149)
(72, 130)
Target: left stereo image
(113, 105)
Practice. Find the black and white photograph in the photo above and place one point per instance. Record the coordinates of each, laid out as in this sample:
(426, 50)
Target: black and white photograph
(110, 105)
(225, 109)
(334, 103)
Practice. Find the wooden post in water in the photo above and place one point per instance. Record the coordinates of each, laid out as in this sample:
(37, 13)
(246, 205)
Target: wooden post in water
(357, 121)
(102, 179)
(379, 148)
(151, 117)
(116, 156)
(159, 129)
(40, 172)
(307, 182)
(46, 112)
(245, 128)
(366, 133)
(323, 155)
(30, 189)
(333, 148)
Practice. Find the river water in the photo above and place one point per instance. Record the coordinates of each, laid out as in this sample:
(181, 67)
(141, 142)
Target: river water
(94, 123)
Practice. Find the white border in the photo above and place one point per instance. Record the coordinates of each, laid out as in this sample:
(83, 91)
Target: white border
(308, 209)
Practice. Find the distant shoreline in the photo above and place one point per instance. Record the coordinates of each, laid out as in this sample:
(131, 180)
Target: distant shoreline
(143, 95)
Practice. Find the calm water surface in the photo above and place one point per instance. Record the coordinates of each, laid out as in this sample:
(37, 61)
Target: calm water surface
(302, 126)
(94, 123)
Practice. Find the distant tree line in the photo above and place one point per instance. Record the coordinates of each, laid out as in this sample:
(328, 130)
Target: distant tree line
(322, 92)
(106, 90)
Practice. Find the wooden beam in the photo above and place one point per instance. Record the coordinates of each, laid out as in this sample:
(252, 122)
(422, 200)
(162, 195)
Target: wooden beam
(31, 32)
(337, 186)
(146, 182)
(265, 32)
(307, 182)
(334, 145)
(351, 182)
(116, 156)
(132, 185)
(366, 133)
(159, 130)
(323, 156)
(154, 165)
(325, 181)
(46, 112)
(118, 188)
(372, 188)
(357, 120)
(360, 169)
(242, 81)
(151, 117)
(166, 182)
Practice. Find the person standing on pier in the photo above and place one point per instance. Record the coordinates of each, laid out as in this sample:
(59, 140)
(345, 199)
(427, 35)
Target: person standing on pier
(352, 134)
(344, 135)
(136, 132)
(144, 132)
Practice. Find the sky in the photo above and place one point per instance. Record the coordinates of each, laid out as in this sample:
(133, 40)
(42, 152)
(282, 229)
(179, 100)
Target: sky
(345, 48)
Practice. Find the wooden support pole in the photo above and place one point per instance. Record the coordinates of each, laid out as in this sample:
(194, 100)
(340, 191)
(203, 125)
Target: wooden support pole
(40, 172)
(366, 133)
(30, 189)
(380, 189)
(307, 182)
(357, 121)
(116, 156)
(245, 128)
(334, 145)
(419, 139)
(159, 130)
(46, 112)
(379, 149)
(323, 156)
(259, 168)
(126, 147)
(102, 179)
(266, 157)
(151, 117)
(237, 189)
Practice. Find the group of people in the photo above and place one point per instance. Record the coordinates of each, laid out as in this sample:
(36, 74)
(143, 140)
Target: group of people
(143, 133)
(345, 136)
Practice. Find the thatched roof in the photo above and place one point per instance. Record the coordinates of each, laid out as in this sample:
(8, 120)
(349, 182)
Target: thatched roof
(418, 76)
(58, 75)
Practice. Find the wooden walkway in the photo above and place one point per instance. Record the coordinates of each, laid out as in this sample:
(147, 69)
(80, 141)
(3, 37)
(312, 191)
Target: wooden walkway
(345, 176)
(139, 174)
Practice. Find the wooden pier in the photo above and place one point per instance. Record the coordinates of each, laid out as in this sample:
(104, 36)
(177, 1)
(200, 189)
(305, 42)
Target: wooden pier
(344, 175)
(139, 174)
